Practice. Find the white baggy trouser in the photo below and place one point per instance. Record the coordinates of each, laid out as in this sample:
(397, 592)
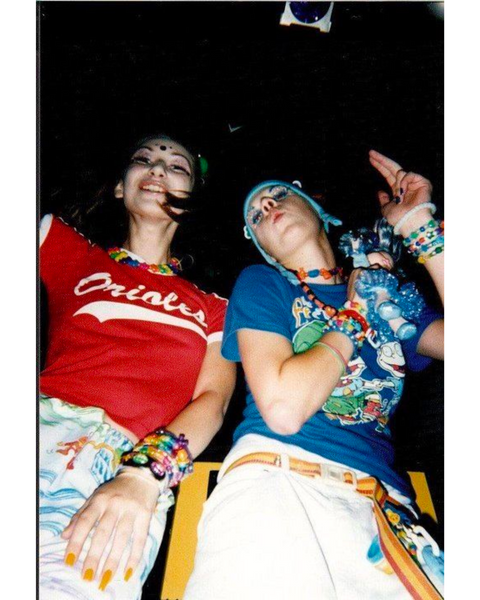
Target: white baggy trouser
(267, 533)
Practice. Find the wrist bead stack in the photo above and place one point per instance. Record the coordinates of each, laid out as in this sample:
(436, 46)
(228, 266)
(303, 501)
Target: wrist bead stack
(165, 454)
(351, 321)
(427, 241)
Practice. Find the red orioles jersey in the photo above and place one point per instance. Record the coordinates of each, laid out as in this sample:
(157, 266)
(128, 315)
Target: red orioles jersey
(121, 338)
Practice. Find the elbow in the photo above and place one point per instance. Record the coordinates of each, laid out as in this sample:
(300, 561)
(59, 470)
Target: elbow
(282, 419)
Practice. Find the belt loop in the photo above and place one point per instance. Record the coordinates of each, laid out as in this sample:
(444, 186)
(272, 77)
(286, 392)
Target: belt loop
(284, 462)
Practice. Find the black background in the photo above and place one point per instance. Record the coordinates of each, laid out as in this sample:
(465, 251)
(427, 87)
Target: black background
(310, 106)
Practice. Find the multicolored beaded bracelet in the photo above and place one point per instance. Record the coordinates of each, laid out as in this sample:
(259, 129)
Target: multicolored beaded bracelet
(165, 454)
(351, 321)
(427, 241)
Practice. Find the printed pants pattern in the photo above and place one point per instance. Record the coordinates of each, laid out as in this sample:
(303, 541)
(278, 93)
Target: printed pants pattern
(78, 452)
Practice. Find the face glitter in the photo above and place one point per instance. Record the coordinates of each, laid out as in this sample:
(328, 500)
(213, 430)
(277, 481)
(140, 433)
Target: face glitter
(277, 193)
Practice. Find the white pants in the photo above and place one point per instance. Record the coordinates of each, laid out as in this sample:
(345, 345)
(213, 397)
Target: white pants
(271, 534)
(79, 452)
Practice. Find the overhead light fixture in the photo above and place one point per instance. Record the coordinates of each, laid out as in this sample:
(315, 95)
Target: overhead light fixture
(437, 8)
(308, 14)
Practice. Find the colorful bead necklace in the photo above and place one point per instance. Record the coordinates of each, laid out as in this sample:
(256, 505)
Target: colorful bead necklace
(355, 312)
(327, 310)
(123, 257)
(325, 273)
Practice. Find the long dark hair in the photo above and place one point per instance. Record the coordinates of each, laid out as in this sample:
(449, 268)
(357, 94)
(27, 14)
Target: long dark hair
(101, 217)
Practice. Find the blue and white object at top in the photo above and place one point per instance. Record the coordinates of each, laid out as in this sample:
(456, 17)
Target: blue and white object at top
(325, 217)
(308, 14)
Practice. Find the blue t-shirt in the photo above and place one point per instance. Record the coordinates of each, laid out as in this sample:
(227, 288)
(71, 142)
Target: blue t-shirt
(352, 425)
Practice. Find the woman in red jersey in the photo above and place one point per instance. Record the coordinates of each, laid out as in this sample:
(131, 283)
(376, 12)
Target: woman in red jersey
(134, 385)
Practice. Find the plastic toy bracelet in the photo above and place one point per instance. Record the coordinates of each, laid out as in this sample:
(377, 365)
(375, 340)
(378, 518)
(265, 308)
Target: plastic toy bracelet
(165, 454)
(407, 216)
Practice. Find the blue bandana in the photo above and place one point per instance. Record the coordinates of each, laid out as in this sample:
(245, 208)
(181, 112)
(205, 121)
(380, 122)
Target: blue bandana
(250, 233)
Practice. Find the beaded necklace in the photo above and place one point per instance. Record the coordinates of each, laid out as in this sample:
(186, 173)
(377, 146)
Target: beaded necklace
(327, 310)
(325, 273)
(123, 257)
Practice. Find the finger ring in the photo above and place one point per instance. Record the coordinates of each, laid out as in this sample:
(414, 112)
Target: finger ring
(397, 200)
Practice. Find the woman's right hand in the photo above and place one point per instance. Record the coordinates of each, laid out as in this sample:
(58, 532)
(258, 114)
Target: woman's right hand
(122, 507)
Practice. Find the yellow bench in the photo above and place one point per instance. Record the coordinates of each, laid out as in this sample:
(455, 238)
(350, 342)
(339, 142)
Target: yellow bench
(183, 540)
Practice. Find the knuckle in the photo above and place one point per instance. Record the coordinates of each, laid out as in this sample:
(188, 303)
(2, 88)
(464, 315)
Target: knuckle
(93, 558)
(102, 531)
(144, 512)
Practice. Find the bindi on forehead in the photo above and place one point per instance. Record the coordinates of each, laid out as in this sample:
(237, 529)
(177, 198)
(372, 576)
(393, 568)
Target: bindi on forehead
(163, 146)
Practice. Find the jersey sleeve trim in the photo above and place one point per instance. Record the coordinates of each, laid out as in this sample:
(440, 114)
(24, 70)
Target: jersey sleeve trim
(45, 225)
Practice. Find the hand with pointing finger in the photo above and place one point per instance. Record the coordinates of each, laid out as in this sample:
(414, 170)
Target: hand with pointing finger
(408, 189)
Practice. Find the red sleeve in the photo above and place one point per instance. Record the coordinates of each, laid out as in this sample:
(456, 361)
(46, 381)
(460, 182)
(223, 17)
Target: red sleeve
(59, 243)
(216, 317)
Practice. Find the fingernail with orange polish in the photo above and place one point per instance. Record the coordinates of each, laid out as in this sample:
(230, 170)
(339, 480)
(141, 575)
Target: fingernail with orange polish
(105, 580)
(88, 575)
(128, 574)
(70, 559)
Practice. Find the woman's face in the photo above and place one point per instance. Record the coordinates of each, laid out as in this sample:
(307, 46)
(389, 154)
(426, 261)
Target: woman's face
(160, 165)
(281, 220)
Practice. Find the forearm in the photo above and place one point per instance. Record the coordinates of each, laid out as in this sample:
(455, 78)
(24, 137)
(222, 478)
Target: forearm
(435, 264)
(435, 268)
(200, 420)
(432, 341)
(303, 383)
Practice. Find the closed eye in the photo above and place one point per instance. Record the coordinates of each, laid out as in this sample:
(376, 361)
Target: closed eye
(254, 217)
(144, 160)
(180, 168)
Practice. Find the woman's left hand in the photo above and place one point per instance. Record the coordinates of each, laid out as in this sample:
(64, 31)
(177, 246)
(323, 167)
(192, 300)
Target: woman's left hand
(408, 189)
(122, 507)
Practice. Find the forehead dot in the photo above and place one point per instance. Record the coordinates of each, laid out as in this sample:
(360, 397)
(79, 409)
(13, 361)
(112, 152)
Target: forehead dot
(163, 147)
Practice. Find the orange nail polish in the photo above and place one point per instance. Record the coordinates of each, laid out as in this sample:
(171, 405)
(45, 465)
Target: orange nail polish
(128, 574)
(88, 575)
(105, 580)
(70, 559)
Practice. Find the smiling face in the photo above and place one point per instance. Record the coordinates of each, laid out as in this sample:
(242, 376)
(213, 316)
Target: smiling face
(281, 220)
(158, 166)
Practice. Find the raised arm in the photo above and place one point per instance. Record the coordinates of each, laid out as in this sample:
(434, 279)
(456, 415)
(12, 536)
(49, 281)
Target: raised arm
(410, 191)
(408, 210)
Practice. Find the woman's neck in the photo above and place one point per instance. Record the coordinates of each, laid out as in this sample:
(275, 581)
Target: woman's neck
(314, 255)
(150, 240)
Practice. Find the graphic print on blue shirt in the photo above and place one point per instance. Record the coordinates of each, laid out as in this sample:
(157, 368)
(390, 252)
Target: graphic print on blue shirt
(352, 425)
(356, 399)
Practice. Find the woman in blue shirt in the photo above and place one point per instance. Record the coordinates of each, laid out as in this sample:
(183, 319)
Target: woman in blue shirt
(291, 517)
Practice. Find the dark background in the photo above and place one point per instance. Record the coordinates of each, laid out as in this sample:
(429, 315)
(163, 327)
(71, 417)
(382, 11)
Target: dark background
(310, 106)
